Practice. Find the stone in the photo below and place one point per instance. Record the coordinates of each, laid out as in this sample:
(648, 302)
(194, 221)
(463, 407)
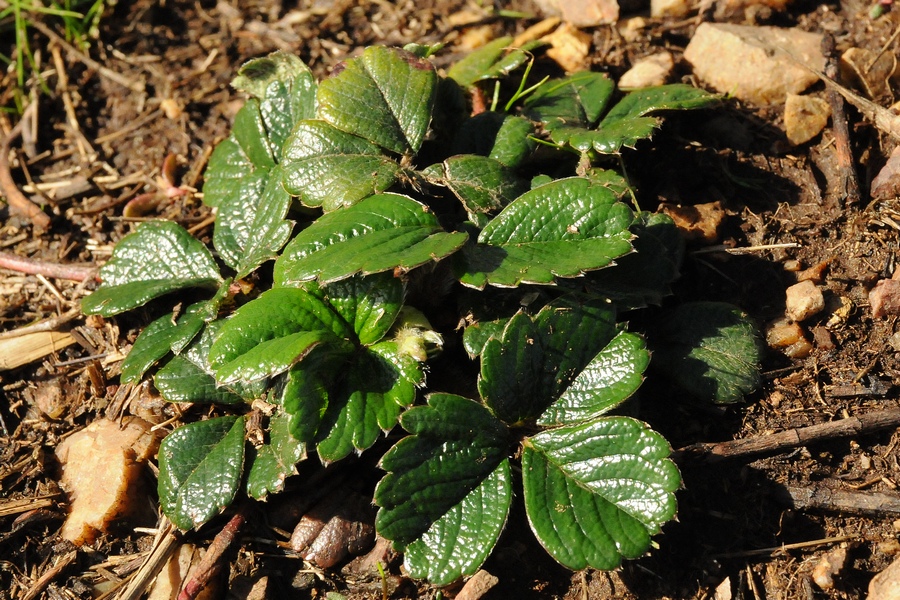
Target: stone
(803, 300)
(804, 117)
(569, 47)
(828, 566)
(750, 62)
(886, 585)
(582, 13)
(884, 298)
(789, 338)
(669, 8)
(649, 71)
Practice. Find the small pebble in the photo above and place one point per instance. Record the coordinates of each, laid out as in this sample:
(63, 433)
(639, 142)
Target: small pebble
(885, 298)
(829, 566)
(803, 300)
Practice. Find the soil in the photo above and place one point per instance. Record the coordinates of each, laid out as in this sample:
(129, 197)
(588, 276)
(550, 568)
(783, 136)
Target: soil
(101, 144)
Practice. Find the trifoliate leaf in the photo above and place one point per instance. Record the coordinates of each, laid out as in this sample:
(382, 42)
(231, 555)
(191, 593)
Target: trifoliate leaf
(278, 313)
(627, 122)
(456, 444)
(482, 184)
(368, 400)
(275, 460)
(607, 381)
(330, 168)
(380, 233)
(385, 96)
(536, 359)
(712, 349)
(159, 258)
(561, 229)
(459, 542)
(596, 492)
(189, 378)
(200, 467)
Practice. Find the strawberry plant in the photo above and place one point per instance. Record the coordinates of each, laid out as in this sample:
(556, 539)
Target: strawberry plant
(386, 207)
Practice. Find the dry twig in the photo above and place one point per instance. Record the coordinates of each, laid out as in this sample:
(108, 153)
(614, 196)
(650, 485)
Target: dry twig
(30, 266)
(208, 565)
(793, 438)
(14, 197)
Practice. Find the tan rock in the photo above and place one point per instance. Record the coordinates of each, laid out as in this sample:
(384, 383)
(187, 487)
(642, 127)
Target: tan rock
(669, 8)
(750, 63)
(886, 585)
(828, 566)
(884, 298)
(582, 13)
(101, 472)
(789, 338)
(569, 47)
(650, 71)
(803, 300)
(804, 117)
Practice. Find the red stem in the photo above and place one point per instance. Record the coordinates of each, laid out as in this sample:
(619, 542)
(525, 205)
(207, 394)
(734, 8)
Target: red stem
(209, 563)
(21, 264)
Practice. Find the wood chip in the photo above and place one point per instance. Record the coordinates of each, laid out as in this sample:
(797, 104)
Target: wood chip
(22, 350)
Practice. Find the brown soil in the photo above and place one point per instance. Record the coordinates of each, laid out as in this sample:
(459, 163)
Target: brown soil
(105, 143)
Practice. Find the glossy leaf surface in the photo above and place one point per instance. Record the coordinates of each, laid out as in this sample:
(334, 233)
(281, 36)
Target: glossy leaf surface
(330, 168)
(385, 96)
(459, 542)
(275, 460)
(454, 446)
(159, 258)
(560, 229)
(200, 467)
(377, 234)
(595, 492)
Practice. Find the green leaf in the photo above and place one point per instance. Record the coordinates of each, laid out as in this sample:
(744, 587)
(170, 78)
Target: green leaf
(575, 101)
(459, 542)
(330, 168)
(286, 89)
(476, 336)
(189, 378)
(482, 184)
(626, 122)
(596, 492)
(561, 229)
(645, 276)
(165, 334)
(307, 391)
(242, 179)
(377, 234)
(200, 467)
(275, 460)
(535, 360)
(159, 258)
(385, 96)
(456, 444)
(369, 304)
(607, 381)
(277, 313)
(491, 61)
(250, 227)
(712, 349)
(274, 356)
(368, 400)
